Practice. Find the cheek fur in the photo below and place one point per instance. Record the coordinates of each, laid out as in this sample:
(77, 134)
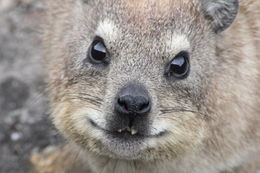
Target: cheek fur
(185, 132)
(72, 119)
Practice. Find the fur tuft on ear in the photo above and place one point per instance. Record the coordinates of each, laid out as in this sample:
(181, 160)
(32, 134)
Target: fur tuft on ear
(221, 13)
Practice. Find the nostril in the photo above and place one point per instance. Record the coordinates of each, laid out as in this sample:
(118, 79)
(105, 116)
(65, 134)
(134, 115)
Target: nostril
(122, 103)
(143, 104)
(145, 107)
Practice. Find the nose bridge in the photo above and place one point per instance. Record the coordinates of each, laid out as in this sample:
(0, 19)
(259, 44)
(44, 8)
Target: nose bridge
(134, 66)
(134, 89)
(134, 63)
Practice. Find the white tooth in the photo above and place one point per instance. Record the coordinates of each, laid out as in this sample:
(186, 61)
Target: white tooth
(133, 132)
(120, 130)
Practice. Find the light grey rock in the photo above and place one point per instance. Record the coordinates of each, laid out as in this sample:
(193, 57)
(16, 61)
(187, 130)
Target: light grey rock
(24, 121)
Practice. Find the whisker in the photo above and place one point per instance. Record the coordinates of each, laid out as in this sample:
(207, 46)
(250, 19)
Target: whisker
(90, 96)
(94, 101)
(168, 110)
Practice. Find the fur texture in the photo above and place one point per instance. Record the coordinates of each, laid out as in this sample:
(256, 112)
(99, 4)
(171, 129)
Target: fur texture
(212, 118)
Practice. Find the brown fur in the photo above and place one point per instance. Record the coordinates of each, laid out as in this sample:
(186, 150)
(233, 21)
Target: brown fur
(213, 115)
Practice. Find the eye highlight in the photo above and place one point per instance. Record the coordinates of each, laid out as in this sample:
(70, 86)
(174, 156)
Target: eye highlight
(179, 67)
(98, 53)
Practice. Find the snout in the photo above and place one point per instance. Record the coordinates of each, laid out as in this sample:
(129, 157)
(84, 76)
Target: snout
(131, 110)
(133, 101)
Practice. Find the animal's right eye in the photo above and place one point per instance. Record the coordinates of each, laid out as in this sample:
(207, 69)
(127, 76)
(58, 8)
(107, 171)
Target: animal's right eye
(97, 52)
(179, 67)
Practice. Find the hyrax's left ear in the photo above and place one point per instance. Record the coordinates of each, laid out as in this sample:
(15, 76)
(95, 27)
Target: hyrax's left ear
(221, 13)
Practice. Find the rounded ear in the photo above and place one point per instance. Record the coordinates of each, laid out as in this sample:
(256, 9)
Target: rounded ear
(221, 13)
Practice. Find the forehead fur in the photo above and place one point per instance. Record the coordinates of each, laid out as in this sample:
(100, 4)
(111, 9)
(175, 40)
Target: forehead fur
(160, 4)
(153, 15)
(148, 8)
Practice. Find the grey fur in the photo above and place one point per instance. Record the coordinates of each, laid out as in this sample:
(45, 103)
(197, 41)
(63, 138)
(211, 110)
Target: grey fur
(221, 13)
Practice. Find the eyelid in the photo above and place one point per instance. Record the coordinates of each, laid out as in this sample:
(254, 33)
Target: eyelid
(183, 53)
(98, 38)
(170, 56)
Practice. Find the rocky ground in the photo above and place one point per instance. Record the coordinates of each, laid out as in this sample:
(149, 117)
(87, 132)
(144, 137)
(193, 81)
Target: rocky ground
(24, 123)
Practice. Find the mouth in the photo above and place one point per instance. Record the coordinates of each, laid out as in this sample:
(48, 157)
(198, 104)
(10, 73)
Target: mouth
(127, 133)
(126, 143)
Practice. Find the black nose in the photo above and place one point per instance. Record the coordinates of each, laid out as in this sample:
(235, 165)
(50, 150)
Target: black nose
(133, 100)
(134, 104)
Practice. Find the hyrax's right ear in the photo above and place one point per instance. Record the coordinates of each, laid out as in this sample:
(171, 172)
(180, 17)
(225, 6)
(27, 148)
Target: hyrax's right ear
(221, 13)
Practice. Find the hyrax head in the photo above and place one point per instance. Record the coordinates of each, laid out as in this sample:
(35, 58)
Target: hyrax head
(129, 79)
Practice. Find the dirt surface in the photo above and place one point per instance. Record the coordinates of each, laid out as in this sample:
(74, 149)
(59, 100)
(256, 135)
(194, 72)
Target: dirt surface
(24, 117)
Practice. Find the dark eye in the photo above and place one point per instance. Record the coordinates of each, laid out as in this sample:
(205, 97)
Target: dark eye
(179, 67)
(98, 53)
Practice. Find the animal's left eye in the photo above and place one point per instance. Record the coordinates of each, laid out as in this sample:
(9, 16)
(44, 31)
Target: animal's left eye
(98, 53)
(179, 67)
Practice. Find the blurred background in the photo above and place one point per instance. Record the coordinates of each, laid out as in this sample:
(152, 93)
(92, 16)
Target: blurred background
(24, 117)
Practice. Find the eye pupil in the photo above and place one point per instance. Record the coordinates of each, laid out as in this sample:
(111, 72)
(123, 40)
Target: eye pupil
(178, 67)
(98, 53)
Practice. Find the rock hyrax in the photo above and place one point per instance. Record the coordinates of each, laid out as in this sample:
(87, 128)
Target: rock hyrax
(167, 86)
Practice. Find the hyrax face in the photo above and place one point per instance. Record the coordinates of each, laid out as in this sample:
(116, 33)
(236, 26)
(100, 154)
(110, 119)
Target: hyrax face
(129, 79)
